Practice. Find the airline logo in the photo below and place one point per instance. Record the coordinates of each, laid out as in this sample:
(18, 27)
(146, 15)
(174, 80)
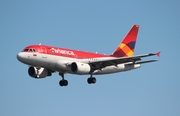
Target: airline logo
(126, 47)
(60, 51)
(127, 50)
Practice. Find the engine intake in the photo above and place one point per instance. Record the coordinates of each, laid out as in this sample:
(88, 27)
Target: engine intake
(80, 68)
(38, 73)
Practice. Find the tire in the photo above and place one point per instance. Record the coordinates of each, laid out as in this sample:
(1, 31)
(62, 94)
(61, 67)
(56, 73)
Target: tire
(65, 82)
(89, 80)
(93, 80)
(61, 83)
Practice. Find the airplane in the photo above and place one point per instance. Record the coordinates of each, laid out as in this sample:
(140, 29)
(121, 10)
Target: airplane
(44, 60)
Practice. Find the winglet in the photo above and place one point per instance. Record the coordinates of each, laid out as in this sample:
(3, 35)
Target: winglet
(158, 54)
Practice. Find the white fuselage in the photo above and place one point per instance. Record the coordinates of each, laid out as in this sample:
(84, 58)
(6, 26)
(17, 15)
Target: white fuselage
(51, 62)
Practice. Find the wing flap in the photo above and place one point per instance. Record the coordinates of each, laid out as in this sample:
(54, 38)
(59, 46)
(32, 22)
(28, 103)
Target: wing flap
(118, 60)
(143, 62)
(124, 59)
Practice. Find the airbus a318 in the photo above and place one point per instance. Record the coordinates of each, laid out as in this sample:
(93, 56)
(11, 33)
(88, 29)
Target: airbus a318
(44, 60)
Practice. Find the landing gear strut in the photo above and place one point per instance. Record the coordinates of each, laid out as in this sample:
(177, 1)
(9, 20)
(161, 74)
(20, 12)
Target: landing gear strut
(63, 82)
(91, 80)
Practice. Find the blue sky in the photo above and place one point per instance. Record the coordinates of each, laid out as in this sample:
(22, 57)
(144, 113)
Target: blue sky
(95, 26)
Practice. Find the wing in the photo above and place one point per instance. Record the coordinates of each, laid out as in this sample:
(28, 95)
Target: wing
(98, 64)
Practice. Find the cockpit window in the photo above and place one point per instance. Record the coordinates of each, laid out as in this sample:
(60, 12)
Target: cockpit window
(29, 50)
(26, 50)
(34, 50)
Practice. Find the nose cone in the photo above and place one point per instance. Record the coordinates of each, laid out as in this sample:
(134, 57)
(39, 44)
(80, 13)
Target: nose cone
(24, 58)
(20, 56)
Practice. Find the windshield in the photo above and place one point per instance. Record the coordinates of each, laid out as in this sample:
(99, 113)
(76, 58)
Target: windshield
(29, 50)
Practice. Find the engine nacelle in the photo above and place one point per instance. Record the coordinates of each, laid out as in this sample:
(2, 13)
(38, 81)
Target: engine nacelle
(80, 68)
(38, 73)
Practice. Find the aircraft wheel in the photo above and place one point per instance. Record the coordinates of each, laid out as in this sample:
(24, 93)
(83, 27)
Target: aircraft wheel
(91, 80)
(63, 82)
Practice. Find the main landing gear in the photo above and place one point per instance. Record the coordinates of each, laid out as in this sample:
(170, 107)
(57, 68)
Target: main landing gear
(91, 80)
(63, 82)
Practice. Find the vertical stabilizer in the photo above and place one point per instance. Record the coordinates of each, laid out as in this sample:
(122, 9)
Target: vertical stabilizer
(126, 47)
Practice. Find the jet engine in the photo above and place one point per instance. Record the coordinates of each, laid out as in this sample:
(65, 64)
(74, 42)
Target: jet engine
(80, 68)
(38, 72)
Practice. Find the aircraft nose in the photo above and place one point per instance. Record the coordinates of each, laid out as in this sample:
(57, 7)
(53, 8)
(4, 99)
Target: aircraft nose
(20, 56)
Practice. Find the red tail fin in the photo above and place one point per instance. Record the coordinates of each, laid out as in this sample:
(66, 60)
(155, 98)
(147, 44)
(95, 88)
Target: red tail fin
(126, 47)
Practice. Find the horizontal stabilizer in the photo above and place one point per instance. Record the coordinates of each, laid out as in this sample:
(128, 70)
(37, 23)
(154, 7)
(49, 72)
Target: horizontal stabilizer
(158, 54)
(146, 61)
